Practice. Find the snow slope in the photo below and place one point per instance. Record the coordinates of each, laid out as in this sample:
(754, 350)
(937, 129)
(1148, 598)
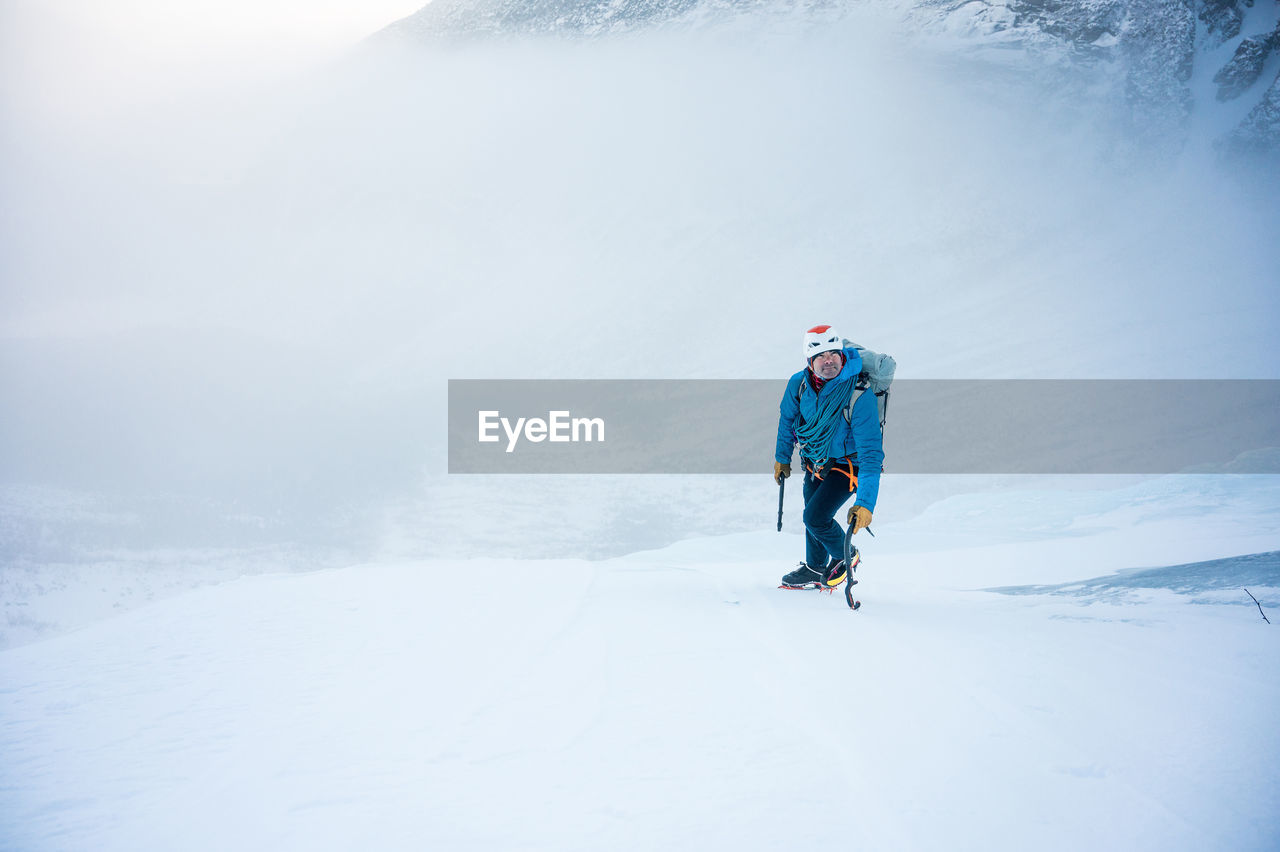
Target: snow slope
(671, 698)
(1115, 523)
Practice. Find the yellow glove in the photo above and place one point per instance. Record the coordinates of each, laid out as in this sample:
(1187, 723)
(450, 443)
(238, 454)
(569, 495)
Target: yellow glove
(780, 472)
(859, 517)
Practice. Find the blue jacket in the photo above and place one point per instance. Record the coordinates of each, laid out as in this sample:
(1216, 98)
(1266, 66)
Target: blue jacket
(860, 440)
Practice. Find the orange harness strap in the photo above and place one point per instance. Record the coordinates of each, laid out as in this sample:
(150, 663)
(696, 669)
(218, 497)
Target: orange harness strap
(852, 477)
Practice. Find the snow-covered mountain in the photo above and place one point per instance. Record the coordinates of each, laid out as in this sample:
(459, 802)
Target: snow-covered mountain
(1163, 54)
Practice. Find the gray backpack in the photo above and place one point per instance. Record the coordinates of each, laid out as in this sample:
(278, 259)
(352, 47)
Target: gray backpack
(876, 376)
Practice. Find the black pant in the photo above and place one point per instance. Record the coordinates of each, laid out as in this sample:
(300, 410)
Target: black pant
(823, 536)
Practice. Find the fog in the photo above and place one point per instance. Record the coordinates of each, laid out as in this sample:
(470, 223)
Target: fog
(231, 305)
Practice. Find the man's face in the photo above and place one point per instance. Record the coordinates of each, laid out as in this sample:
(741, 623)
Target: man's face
(826, 365)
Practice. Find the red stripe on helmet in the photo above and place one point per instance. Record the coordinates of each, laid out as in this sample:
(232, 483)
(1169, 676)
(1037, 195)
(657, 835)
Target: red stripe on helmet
(818, 329)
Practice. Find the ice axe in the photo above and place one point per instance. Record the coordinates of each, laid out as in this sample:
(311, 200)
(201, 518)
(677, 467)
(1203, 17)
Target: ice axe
(851, 568)
(782, 485)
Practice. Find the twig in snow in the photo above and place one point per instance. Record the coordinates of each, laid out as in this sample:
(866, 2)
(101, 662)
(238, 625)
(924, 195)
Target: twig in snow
(1255, 600)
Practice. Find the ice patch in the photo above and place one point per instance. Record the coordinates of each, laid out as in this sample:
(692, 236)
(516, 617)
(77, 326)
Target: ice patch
(1216, 581)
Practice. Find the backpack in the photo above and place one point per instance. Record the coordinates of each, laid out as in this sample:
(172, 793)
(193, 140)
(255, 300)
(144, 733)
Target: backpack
(876, 376)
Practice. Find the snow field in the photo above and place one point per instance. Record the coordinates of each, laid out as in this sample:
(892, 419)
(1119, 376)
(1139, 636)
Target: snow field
(662, 699)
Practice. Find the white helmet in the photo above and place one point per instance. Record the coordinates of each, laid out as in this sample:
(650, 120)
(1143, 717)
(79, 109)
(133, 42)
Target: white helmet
(819, 339)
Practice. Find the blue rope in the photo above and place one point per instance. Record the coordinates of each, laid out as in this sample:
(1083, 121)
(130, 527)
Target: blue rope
(815, 435)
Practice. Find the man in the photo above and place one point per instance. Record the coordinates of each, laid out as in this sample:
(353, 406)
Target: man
(841, 449)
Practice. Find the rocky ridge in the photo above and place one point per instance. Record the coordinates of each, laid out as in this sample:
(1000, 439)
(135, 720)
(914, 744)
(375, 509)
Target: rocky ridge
(1155, 46)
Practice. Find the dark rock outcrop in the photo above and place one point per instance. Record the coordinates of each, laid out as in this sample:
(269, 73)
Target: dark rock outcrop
(1081, 24)
(1259, 134)
(1158, 41)
(1223, 18)
(1245, 67)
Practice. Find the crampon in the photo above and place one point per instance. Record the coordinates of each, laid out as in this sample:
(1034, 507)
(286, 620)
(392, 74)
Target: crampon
(819, 587)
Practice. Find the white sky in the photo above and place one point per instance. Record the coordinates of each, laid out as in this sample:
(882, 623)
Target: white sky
(70, 54)
(175, 26)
